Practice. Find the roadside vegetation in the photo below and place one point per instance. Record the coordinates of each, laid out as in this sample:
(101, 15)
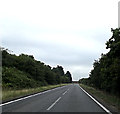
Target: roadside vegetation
(106, 70)
(22, 75)
(105, 75)
(24, 71)
(112, 101)
(10, 94)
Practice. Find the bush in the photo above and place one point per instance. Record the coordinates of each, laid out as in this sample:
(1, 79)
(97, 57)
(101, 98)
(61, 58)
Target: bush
(14, 78)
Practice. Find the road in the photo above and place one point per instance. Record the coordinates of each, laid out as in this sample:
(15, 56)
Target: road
(70, 98)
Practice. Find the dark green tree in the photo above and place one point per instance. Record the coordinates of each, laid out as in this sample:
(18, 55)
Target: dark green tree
(106, 71)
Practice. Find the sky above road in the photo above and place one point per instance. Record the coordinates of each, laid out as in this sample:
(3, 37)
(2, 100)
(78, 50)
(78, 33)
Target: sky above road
(70, 33)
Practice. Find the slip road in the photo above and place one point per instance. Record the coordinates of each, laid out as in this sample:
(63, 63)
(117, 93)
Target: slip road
(70, 98)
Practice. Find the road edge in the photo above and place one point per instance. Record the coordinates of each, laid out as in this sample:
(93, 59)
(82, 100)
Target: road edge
(29, 96)
(96, 101)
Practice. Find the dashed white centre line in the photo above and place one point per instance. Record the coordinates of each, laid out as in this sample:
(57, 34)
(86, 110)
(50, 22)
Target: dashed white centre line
(54, 103)
(64, 93)
(57, 100)
(29, 96)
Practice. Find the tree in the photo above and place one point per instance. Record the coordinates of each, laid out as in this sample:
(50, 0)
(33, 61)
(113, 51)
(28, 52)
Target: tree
(24, 71)
(69, 77)
(106, 71)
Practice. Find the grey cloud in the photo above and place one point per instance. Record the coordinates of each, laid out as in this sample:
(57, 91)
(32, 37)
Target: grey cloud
(19, 38)
(54, 52)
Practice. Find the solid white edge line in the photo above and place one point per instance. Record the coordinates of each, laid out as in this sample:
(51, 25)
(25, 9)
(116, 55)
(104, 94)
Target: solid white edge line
(29, 96)
(54, 103)
(105, 109)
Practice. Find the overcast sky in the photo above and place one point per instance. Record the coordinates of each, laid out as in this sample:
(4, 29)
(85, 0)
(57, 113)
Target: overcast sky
(70, 33)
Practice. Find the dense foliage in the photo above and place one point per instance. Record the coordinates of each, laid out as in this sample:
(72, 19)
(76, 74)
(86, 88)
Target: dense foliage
(106, 71)
(24, 71)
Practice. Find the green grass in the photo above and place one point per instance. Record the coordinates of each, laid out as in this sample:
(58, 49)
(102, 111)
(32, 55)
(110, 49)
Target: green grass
(9, 94)
(106, 98)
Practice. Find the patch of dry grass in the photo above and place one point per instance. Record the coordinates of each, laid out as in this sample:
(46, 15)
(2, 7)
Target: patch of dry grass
(9, 94)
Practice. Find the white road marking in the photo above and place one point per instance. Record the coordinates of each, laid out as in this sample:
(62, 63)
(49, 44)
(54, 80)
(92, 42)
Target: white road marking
(105, 109)
(29, 96)
(54, 103)
(64, 93)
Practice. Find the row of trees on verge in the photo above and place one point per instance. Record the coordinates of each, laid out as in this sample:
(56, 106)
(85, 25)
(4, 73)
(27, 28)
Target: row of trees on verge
(24, 71)
(106, 71)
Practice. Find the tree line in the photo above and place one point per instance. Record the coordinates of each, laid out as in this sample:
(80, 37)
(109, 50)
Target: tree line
(24, 71)
(106, 70)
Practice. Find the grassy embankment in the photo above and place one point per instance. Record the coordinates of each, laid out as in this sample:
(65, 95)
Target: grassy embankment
(111, 101)
(8, 94)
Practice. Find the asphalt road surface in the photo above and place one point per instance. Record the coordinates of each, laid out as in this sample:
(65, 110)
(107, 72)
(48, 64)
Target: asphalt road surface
(70, 98)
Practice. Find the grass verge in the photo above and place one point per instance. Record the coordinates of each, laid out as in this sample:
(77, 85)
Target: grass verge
(8, 94)
(111, 101)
